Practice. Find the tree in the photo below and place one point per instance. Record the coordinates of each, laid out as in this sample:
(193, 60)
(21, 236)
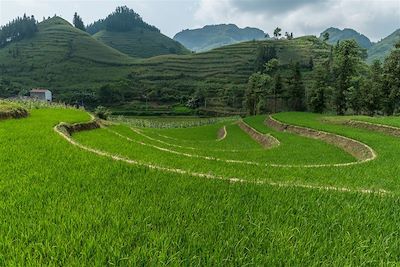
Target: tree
(78, 22)
(391, 81)
(102, 112)
(264, 54)
(277, 32)
(372, 91)
(198, 99)
(311, 63)
(347, 61)
(272, 69)
(256, 92)
(354, 94)
(325, 36)
(18, 29)
(296, 89)
(289, 36)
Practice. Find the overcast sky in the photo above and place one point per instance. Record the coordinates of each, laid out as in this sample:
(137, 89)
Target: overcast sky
(374, 18)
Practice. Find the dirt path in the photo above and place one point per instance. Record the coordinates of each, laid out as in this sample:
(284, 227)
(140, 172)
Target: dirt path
(222, 133)
(265, 140)
(386, 129)
(359, 150)
(63, 132)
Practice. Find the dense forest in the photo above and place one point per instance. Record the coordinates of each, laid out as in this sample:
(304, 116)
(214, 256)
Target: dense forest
(342, 83)
(121, 20)
(18, 29)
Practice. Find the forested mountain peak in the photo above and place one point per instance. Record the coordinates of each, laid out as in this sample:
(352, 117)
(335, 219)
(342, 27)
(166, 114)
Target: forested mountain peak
(123, 19)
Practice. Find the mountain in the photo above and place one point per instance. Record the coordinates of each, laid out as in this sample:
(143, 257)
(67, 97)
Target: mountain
(126, 31)
(336, 35)
(221, 74)
(62, 58)
(381, 49)
(213, 36)
(141, 43)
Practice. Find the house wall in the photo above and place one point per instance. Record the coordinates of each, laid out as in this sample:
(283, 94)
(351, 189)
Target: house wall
(45, 96)
(48, 96)
(40, 96)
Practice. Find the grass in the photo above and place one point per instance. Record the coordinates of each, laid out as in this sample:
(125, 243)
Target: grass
(141, 43)
(168, 122)
(61, 205)
(385, 120)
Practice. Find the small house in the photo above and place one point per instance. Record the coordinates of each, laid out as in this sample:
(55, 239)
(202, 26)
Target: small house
(41, 94)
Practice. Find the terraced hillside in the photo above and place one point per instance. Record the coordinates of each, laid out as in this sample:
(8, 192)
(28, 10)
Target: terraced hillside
(117, 195)
(225, 67)
(141, 43)
(381, 49)
(62, 58)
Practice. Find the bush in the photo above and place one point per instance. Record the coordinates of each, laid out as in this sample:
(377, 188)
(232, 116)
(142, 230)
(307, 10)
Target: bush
(102, 112)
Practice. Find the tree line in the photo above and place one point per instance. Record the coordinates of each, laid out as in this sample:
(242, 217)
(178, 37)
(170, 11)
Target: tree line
(121, 20)
(346, 84)
(18, 29)
(343, 83)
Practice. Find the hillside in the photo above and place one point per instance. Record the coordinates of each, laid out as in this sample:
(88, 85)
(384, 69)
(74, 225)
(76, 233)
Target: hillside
(213, 36)
(336, 35)
(221, 73)
(141, 43)
(61, 58)
(382, 48)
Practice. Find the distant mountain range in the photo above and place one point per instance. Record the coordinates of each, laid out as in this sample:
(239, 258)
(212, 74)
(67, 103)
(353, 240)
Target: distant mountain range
(213, 36)
(336, 35)
(375, 51)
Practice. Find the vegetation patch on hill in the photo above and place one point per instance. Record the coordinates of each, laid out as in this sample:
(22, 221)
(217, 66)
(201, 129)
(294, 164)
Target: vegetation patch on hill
(10, 110)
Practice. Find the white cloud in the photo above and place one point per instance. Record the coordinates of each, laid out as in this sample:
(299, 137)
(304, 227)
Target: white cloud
(374, 18)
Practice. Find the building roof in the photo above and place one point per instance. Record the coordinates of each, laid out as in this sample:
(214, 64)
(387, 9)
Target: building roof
(38, 90)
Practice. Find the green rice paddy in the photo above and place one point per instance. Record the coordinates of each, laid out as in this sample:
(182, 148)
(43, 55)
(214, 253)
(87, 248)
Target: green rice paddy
(62, 205)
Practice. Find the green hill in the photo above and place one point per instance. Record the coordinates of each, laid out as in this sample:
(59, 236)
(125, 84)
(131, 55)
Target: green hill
(381, 49)
(336, 35)
(142, 43)
(62, 58)
(213, 36)
(221, 73)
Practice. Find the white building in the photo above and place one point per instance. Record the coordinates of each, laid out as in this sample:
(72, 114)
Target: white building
(41, 94)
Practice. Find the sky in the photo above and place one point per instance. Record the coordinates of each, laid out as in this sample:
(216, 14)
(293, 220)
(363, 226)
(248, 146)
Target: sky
(374, 18)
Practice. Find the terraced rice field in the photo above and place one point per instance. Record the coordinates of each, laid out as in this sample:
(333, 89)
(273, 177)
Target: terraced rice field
(123, 195)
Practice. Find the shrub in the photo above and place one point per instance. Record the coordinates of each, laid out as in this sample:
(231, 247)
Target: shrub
(102, 112)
